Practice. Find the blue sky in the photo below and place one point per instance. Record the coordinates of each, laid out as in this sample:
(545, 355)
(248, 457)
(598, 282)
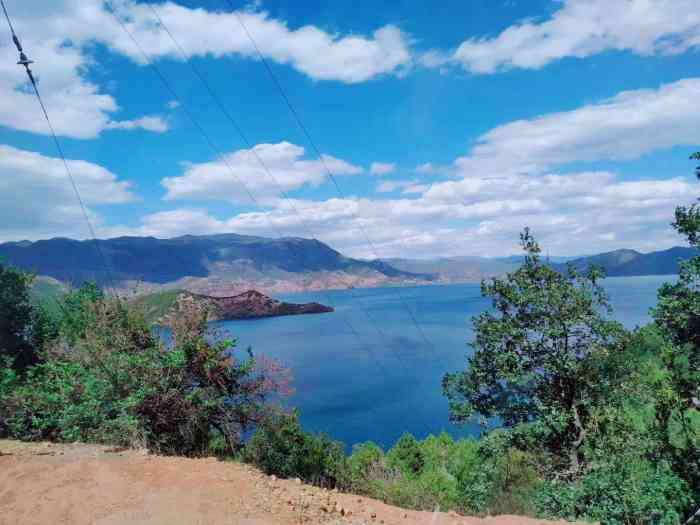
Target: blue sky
(448, 127)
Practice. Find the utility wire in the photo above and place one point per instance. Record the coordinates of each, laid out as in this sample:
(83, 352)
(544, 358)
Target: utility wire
(217, 152)
(26, 62)
(184, 56)
(260, 160)
(248, 143)
(322, 159)
(209, 141)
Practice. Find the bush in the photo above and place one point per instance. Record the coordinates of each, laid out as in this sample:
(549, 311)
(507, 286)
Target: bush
(634, 491)
(368, 472)
(464, 475)
(280, 447)
(109, 379)
(406, 456)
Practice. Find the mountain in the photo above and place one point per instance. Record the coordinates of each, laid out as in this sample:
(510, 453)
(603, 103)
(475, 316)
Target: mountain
(212, 264)
(630, 262)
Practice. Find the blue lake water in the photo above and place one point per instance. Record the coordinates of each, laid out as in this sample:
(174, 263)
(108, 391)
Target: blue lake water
(364, 372)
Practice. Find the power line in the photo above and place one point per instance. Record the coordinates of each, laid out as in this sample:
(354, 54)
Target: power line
(203, 132)
(322, 159)
(248, 143)
(26, 62)
(216, 150)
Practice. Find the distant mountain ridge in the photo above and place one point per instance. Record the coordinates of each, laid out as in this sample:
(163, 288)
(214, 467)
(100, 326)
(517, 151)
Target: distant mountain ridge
(203, 263)
(230, 264)
(621, 263)
(616, 263)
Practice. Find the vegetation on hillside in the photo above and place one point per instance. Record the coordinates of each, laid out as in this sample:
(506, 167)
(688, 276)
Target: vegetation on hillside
(100, 374)
(156, 305)
(595, 422)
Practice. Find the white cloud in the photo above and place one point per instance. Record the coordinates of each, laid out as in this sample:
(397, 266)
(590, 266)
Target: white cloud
(220, 180)
(382, 168)
(387, 186)
(582, 28)
(570, 214)
(77, 107)
(406, 186)
(59, 36)
(627, 126)
(37, 199)
(153, 123)
(310, 50)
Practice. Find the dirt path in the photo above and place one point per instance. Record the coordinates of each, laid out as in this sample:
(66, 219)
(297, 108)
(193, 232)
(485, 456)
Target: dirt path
(43, 484)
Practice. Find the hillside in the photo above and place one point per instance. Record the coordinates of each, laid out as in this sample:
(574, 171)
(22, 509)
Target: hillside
(622, 263)
(43, 483)
(248, 305)
(213, 265)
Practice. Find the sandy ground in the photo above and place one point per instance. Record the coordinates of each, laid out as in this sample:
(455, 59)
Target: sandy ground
(78, 484)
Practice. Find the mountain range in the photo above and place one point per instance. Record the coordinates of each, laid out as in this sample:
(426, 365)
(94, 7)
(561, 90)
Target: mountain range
(218, 265)
(229, 264)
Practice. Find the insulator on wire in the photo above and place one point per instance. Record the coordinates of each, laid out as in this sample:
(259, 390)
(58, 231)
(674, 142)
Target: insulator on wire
(24, 60)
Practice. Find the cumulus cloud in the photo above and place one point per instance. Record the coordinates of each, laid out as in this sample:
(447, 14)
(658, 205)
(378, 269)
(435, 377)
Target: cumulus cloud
(570, 213)
(37, 200)
(581, 28)
(223, 179)
(310, 50)
(627, 126)
(59, 36)
(382, 168)
(406, 186)
(150, 123)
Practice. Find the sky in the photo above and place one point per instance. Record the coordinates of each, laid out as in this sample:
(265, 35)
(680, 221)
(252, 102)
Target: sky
(443, 127)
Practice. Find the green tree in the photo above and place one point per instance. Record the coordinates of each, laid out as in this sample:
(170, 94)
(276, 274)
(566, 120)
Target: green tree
(17, 316)
(536, 356)
(678, 315)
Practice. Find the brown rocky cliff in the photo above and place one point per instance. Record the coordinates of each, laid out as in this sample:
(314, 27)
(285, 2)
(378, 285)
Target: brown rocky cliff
(248, 305)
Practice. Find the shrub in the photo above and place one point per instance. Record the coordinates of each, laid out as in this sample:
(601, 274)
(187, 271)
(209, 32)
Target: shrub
(280, 447)
(368, 471)
(109, 379)
(464, 475)
(406, 456)
(634, 491)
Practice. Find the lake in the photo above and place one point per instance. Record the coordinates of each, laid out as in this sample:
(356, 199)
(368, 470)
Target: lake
(365, 372)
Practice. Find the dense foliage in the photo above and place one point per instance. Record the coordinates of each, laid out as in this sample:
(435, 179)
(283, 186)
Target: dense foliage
(609, 419)
(107, 377)
(24, 326)
(537, 354)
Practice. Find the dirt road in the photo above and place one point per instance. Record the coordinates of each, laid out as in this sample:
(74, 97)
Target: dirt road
(46, 484)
